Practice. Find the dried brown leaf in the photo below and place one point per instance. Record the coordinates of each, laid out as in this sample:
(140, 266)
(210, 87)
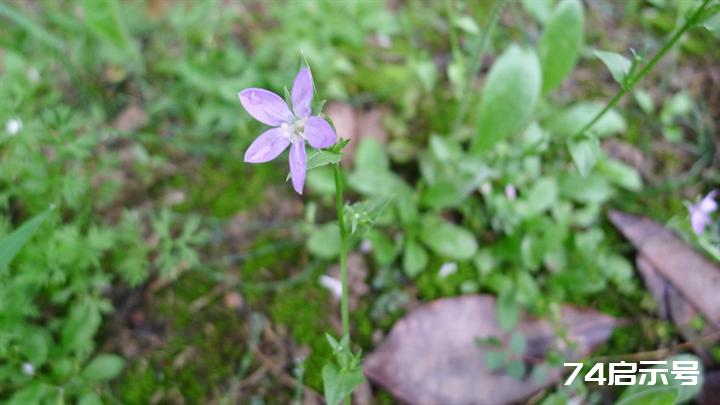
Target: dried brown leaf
(431, 355)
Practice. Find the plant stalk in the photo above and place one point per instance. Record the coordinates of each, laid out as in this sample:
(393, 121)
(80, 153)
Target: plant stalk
(632, 81)
(344, 310)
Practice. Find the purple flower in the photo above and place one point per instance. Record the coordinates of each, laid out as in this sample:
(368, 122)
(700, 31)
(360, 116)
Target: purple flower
(291, 128)
(700, 212)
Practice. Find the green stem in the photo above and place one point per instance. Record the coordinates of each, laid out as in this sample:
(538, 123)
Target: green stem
(345, 312)
(477, 63)
(632, 81)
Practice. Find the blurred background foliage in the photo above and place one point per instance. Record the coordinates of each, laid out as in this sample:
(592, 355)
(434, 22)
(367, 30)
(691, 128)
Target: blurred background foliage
(193, 277)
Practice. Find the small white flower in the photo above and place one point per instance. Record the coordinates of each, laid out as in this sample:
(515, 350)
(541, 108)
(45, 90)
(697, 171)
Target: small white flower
(13, 126)
(366, 246)
(447, 269)
(28, 369)
(332, 284)
(510, 192)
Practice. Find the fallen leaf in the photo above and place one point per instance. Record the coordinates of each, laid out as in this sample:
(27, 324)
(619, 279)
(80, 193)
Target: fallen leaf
(431, 355)
(673, 306)
(694, 276)
(710, 392)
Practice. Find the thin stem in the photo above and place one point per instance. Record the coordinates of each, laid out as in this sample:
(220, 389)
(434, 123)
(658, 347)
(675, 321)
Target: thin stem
(477, 63)
(345, 312)
(632, 81)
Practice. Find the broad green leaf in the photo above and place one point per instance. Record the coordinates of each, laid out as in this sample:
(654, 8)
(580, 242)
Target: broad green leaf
(620, 174)
(90, 398)
(655, 395)
(33, 393)
(507, 310)
(104, 367)
(618, 65)
(415, 258)
(591, 189)
(338, 384)
(569, 121)
(80, 327)
(560, 43)
(539, 9)
(442, 195)
(508, 97)
(324, 241)
(383, 249)
(661, 394)
(12, 243)
(585, 154)
(541, 196)
(446, 239)
(378, 183)
(104, 20)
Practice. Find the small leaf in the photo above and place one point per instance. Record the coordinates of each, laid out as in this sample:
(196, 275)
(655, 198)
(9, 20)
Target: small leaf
(508, 97)
(467, 24)
(415, 258)
(446, 239)
(585, 154)
(518, 344)
(569, 121)
(618, 65)
(442, 195)
(339, 384)
(104, 367)
(620, 174)
(12, 243)
(645, 101)
(324, 241)
(539, 9)
(560, 43)
(320, 158)
(516, 369)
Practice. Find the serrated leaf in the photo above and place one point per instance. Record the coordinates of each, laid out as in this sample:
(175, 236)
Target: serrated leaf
(618, 65)
(508, 99)
(12, 243)
(560, 43)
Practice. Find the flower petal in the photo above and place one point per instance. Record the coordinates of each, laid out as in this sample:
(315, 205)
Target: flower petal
(302, 93)
(699, 220)
(265, 106)
(298, 165)
(319, 133)
(267, 146)
(708, 203)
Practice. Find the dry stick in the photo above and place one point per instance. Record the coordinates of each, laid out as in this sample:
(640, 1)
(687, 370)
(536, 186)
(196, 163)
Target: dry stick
(632, 81)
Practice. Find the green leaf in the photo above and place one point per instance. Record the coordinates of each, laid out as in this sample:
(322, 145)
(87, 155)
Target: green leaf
(324, 241)
(320, 158)
(339, 384)
(620, 174)
(371, 155)
(494, 360)
(104, 20)
(383, 249)
(516, 369)
(539, 9)
(415, 258)
(12, 243)
(618, 65)
(446, 239)
(569, 121)
(104, 367)
(467, 24)
(80, 326)
(441, 195)
(35, 30)
(585, 154)
(645, 101)
(90, 398)
(518, 343)
(591, 189)
(377, 183)
(541, 196)
(673, 393)
(560, 43)
(507, 310)
(509, 96)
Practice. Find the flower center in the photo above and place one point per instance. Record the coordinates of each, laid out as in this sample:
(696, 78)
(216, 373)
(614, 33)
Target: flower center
(294, 130)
